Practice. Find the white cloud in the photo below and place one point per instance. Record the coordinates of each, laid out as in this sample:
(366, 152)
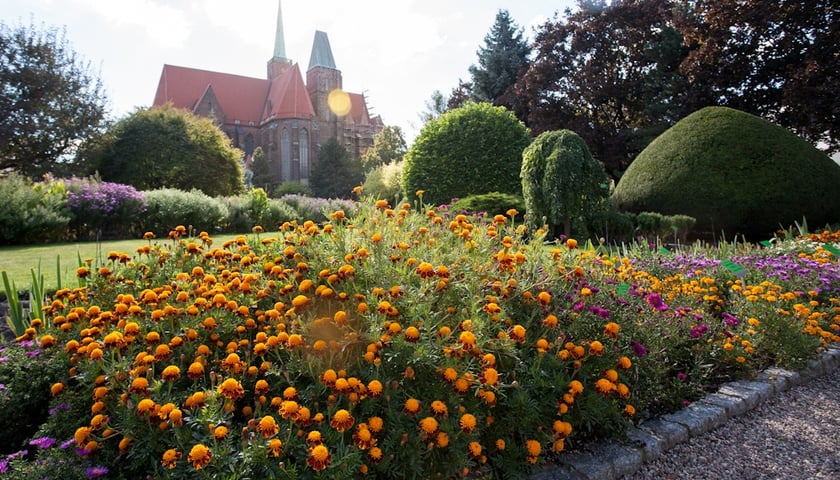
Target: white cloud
(163, 24)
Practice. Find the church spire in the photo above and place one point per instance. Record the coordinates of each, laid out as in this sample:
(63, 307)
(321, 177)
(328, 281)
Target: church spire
(321, 52)
(279, 41)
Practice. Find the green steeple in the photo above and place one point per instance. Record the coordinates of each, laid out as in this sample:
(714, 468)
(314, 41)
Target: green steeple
(321, 52)
(279, 41)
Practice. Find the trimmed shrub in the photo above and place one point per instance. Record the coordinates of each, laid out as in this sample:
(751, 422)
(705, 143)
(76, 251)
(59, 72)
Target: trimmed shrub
(493, 203)
(561, 182)
(735, 173)
(276, 213)
(103, 209)
(168, 208)
(466, 151)
(291, 188)
(31, 213)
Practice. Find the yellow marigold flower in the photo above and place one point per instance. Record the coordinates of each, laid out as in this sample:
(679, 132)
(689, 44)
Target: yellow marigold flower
(596, 348)
(429, 425)
(517, 333)
(231, 389)
(319, 457)
(374, 388)
(220, 432)
(467, 422)
(475, 449)
(571, 243)
(261, 387)
(624, 363)
(170, 373)
(586, 291)
(467, 339)
(199, 456)
(275, 447)
(550, 321)
(439, 408)
(342, 420)
(98, 421)
(425, 270)
(412, 406)
(196, 400)
(534, 447)
(490, 376)
(412, 334)
(268, 427)
(170, 458)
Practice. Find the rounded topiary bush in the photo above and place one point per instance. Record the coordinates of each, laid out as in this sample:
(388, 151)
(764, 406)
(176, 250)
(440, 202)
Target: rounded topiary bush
(735, 173)
(466, 151)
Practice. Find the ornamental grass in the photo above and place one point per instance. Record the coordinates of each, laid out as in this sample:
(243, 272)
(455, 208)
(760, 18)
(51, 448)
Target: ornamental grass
(403, 342)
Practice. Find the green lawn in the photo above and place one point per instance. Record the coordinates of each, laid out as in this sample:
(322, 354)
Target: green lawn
(19, 261)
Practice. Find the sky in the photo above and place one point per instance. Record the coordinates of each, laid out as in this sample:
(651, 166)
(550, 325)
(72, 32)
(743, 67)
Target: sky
(396, 52)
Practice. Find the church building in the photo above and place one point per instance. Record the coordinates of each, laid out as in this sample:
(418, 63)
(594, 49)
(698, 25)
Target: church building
(288, 118)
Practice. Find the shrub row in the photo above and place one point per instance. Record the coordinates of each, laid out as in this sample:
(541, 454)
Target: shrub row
(87, 209)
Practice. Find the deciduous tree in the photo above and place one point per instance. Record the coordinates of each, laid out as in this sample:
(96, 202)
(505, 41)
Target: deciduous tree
(388, 146)
(50, 101)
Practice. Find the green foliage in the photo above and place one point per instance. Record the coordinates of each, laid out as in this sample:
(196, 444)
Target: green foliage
(466, 151)
(385, 182)
(49, 98)
(561, 182)
(734, 173)
(26, 373)
(388, 147)
(167, 208)
(336, 173)
(493, 203)
(165, 147)
(32, 212)
(318, 209)
(256, 209)
(103, 209)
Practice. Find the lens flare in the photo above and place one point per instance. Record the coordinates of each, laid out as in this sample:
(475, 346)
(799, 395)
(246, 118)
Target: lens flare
(339, 102)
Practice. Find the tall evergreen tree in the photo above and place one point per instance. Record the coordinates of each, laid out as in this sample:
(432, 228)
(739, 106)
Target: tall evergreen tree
(502, 59)
(336, 173)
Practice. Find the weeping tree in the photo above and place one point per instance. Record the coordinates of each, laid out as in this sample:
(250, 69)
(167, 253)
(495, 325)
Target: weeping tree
(561, 182)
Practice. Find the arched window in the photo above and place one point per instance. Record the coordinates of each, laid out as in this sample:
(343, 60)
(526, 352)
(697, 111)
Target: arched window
(303, 144)
(285, 156)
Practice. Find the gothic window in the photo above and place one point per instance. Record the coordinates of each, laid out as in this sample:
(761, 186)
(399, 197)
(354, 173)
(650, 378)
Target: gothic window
(249, 143)
(304, 153)
(285, 155)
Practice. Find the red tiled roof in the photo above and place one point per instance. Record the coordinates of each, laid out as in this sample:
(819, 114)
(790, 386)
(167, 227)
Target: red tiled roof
(287, 97)
(241, 98)
(358, 109)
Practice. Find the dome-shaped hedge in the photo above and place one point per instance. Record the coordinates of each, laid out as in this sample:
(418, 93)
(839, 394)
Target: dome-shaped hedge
(735, 173)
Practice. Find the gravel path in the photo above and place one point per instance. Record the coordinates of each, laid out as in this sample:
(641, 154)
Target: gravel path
(793, 436)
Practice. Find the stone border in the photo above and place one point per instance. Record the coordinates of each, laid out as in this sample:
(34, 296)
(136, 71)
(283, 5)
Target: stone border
(653, 438)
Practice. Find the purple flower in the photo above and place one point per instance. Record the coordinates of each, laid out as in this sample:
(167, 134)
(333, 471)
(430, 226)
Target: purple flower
(4, 466)
(699, 330)
(4, 359)
(655, 301)
(59, 407)
(96, 471)
(33, 353)
(43, 442)
(639, 349)
(67, 443)
(730, 319)
(681, 375)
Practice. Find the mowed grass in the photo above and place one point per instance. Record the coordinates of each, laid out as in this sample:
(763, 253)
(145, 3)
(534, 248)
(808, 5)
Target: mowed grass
(19, 261)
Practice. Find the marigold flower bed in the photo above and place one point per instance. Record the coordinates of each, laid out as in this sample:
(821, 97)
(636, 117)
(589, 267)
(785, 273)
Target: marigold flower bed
(406, 343)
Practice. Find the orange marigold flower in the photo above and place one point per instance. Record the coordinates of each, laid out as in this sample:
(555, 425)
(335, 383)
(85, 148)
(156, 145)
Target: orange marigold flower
(462, 385)
(596, 348)
(170, 373)
(517, 333)
(319, 457)
(412, 334)
(362, 437)
(439, 408)
(220, 432)
(275, 447)
(314, 438)
(289, 409)
(624, 363)
(268, 427)
(490, 376)
(611, 330)
(145, 406)
(475, 449)
(176, 417)
(544, 298)
(571, 243)
(562, 429)
(604, 386)
(412, 406)
(467, 339)
(261, 387)
(467, 422)
(231, 389)
(429, 426)
(170, 458)
(534, 447)
(629, 410)
(450, 375)
(375, 454)
(425, 270)
(57, 389)
(342, 420)
(199, 456)
(375, 424)
(374, 388)
(575, 387)
(196, 400)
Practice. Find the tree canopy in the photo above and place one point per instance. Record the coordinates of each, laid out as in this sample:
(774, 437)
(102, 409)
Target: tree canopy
(388, 146)
(469, 150)
(50, 101)
(166, 147)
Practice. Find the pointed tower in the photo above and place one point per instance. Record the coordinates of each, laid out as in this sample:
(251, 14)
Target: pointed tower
(278, 63)
(321, 78)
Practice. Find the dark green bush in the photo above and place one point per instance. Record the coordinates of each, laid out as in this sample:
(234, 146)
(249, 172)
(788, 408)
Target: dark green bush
(493, 203)
(466, 151)
(734, 173)
(167, 208)
(291, 188)
(613, 226)
(318, 209)
(276, 213)
(32, 213)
